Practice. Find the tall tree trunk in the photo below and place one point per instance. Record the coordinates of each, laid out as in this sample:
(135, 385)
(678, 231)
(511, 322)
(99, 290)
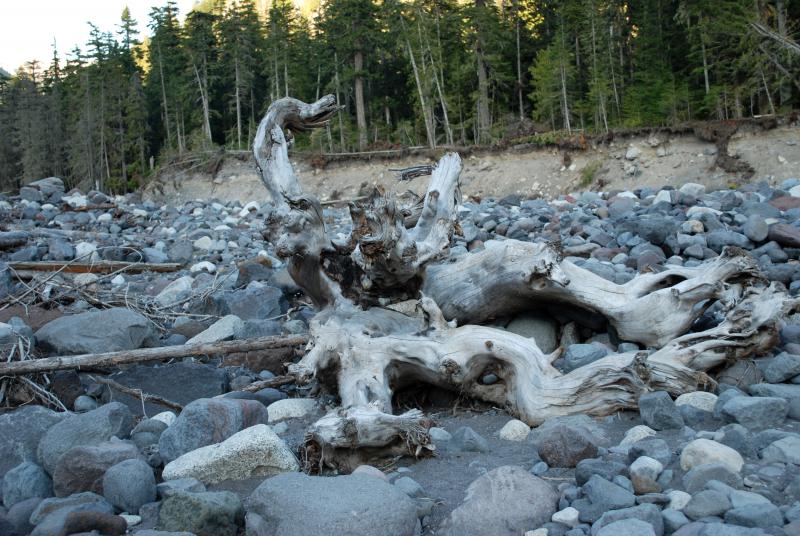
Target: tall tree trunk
(361, 117)
(705, 63)
(519, 75)
(164, 96)
(425, 112)
(338, 101)
(238, 105)
(483, 132)
(203, 100)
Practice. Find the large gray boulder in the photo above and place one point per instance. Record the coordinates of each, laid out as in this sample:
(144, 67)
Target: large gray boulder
(25, 481)
(206, 513)
(129, 484)
(506, 501)
(89, 428)
(82, 468)
(109, 330)
(180, 382)
(207, 421)
(20, 433)
(295, 504)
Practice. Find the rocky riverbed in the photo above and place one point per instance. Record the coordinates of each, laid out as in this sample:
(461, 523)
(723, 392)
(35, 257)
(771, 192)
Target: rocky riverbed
(723, 462)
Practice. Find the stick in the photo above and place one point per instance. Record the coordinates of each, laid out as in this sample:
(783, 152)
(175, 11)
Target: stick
(99, 267)
(143, 355)
(138, 393)
(277, 381)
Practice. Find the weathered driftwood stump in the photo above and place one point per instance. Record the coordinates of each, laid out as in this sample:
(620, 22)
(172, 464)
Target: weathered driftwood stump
(364, 349)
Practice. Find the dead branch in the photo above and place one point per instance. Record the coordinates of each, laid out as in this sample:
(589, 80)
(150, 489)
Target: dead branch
(99, 267)
(143, 355)
(138, 393)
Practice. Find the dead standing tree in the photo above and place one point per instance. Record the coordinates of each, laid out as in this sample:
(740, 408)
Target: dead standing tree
(363, 349)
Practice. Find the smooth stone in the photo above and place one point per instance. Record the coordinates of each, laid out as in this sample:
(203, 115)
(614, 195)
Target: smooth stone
(129, 485)
(705, 451)
(514, 430)
(291, 408)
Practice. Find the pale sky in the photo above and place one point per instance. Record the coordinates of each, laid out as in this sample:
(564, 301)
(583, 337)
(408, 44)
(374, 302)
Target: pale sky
(28, 27)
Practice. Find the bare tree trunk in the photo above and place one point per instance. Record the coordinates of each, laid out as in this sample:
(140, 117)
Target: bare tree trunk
(705, 63)
(202, 86)
(519, 74)
(238, 104)
(338, 102)
(425, 112)
(164, 96)
(361, 117)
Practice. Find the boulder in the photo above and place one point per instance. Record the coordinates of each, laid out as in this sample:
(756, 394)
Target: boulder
(697, 477)
(207, 421)
(467, 440)
(627, 527)
(207, 513)
(21, 431)
(762, 515)
(565, 446)
(756, 412)
(51, 516)
(82, 468)
(658, 411)
(705, 451)
(542, 329)
(257, 301)
(291, 408)
(123, 329)
(222, 330)
(26, 481)
(255, 451)
(644, 475)
(129, 484)
(181, 382)
(707, 503)
(645, 513)
(701, 400)
(296, 504)
(782, 368)
(790, 393)
(606, 495)
(90, 428)
(506, 501)
(786, 450)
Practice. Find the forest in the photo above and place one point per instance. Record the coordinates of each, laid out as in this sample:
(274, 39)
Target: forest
(430, 73)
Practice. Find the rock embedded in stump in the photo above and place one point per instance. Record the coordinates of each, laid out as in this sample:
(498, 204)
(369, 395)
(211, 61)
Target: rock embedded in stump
(659, 412)
(506, 501)
(296, 504)
(255, 451)
(207, 421)
(565, 446)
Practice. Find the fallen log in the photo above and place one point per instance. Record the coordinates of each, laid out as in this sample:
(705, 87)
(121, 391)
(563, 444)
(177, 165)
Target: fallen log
(143, 355)
(99, 267)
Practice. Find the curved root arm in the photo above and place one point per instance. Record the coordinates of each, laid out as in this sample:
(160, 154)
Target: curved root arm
(366, 370)
(271, 147)
(651, 309)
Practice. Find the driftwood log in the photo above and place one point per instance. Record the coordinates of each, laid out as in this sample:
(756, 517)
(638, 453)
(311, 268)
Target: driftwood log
(365, 350)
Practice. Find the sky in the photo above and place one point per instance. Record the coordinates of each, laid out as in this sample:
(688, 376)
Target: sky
(28, 27)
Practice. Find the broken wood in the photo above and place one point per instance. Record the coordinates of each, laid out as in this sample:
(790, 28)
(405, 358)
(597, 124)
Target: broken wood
(138, 393)
(98, 267)
(143, 355)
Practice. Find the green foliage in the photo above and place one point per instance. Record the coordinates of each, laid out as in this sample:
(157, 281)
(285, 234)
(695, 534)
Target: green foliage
(99, 116)
(589, 172)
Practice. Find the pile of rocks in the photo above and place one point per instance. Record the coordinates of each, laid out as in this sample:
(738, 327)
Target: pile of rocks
(705, 463)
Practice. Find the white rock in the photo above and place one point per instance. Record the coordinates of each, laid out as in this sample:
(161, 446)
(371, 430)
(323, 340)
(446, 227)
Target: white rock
(230, 220)
(568, 516)
(290, 408)
(537, 532)
(637, 433)
(140, 213)
(203, 266)
(698, 399)
(104, 218)
(702, 451)
(175, 291)
(204, 243)
(782, 160)
(694, 212)
(167, 417)
(131, 519)
(76, 200)
(794, 191)
(678, 499)
(628, 194)
(84, 280)
(663, 196)
(786, 450)
(370, 471)
(251, 206)
(632, 153)
(217, 206)
(197, 212)
(118, 280)
(222, 228)
(514, 430)
(693, 189)
(647, 467)
(221, 330)
(86, 252)
(255, 451)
